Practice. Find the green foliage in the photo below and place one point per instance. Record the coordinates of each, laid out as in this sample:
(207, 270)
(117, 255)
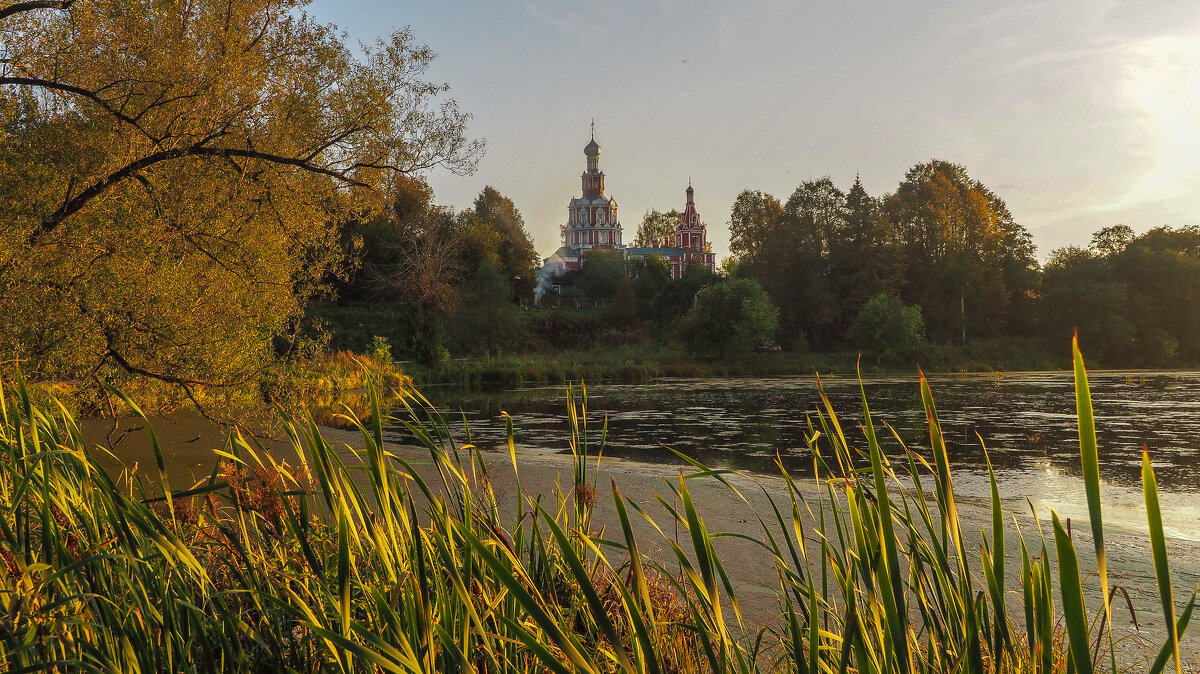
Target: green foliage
(656, 223)
(512, 250)
(486, 318)
(173, 177)
(678, 296)
(650, 276)
(941, 241)
(728, 317)
(888, 329)
(1132, 298)
(381, 349)
(1112, 240)
(623, 309)
(602, 273)
(446, 275)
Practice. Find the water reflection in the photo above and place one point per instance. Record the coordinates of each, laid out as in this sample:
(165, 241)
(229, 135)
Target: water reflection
(1027, 421)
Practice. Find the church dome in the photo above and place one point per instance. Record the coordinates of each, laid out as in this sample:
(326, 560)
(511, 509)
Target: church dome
(592, 149)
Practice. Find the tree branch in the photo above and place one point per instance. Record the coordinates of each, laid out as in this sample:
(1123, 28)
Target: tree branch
(31, 5)
(72, 89)
(132, 170)
(185, 384)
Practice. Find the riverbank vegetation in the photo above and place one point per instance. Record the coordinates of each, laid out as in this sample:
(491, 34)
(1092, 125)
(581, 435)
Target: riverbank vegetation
(938, 272)
(361, 562)
(633, 363)
(944, 243)
(175, 178)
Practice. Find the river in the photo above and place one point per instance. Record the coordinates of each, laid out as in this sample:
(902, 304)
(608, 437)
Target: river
(1027, 421)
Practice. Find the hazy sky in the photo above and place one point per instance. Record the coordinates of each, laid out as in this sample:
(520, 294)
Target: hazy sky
(1078, 114)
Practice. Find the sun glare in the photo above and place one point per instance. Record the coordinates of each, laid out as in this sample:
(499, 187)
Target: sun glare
(1163, 84)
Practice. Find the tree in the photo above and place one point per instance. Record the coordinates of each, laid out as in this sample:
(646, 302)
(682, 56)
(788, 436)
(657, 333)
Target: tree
(785, 247)
(754, 225)
(602, 272)
(962, 250)
(514, 253)
(1080, 295)
(173, 176)
(419, 265)
(1112, 240)
(623, 309)
(486, 318)
(678, 296)
(816, 215)
(728, 317)
(863, 258)
(656, 223)
(802, 284)
(888, 328)
(650, 275)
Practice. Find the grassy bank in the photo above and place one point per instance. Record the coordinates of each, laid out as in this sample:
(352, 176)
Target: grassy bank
(365, 565)
(642, 362)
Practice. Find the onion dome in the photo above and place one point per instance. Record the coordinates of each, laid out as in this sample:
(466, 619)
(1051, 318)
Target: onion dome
(592, 149)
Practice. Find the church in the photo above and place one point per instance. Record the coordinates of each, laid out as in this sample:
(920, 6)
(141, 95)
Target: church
(592, 224)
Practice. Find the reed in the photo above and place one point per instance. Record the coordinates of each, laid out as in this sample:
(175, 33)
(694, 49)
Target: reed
(358, 560)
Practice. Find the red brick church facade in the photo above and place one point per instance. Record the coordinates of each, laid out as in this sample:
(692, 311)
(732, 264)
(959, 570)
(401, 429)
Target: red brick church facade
(592, 224)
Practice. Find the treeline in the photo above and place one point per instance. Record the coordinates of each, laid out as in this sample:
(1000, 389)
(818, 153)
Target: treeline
(1134, 299)
(942, 241)
(943, 259)
(433, 282)
(430, 279)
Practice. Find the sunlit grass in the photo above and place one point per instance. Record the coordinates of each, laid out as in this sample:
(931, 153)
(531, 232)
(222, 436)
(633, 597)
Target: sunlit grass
(358, 561)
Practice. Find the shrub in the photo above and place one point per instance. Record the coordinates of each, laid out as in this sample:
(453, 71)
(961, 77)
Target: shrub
(728, 317)
(887, 328)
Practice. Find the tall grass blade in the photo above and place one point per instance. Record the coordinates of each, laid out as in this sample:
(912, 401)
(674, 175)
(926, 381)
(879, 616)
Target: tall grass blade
(1090, 458)
(1074, 610)
(1158, 547)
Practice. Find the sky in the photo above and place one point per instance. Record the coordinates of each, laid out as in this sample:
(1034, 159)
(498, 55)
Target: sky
(1078, 114)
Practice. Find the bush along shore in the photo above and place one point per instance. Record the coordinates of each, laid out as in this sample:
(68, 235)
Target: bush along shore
(361, 564)
(639, 363)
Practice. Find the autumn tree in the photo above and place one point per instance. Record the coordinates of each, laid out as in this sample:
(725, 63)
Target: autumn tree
(965, 255)
(656, 223)
(513, 251)
(417, 265)
(173, 176)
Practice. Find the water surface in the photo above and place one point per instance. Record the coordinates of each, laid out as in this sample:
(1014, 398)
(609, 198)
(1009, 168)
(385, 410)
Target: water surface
(1027, 421)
